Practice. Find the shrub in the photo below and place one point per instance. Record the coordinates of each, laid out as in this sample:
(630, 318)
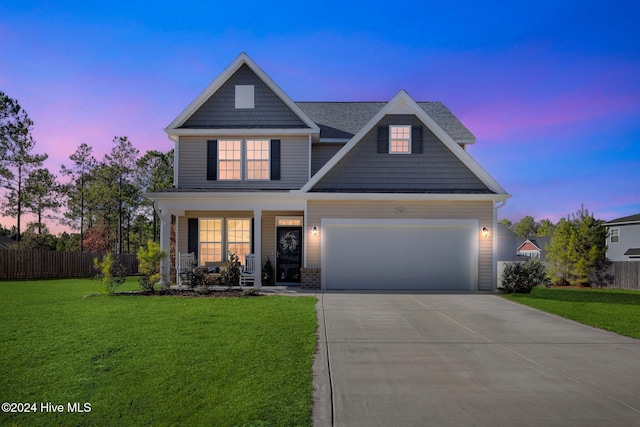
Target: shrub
(521, 277)
(230, 276)
(111, 273)
(149, 263)
(194, 275)
(268, 274)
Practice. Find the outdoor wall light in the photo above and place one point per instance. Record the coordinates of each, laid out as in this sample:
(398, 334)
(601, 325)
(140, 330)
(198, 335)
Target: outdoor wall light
(485, 231)
(314, 230)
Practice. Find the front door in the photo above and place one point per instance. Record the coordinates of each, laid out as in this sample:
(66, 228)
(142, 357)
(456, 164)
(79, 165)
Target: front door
(289, 255)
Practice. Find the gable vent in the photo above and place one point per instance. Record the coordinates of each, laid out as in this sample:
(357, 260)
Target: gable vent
(245, 96)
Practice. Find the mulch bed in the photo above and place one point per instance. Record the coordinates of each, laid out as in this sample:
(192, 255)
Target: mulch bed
(191, 293)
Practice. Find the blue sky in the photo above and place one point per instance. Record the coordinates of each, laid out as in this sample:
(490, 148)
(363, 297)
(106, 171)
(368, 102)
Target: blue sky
(550, 89)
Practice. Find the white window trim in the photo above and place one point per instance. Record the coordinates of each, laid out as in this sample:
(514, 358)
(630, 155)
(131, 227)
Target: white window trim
(221, 160)
(391, 139)
(288, 218)
(617, 235)
(244, 160)
(225, 236)
(200, 242)
(224, 230)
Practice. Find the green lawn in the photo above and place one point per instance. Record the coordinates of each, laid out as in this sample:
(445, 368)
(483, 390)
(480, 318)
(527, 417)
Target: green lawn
(154, 360)
(611, 309)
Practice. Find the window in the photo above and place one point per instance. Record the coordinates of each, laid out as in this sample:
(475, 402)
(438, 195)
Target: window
(239, 237)
(245, 96)
(229, 155)
(258, 159)
(210, 240)
(400, 139)
(615, 235)
(289, 221)
(215, 241)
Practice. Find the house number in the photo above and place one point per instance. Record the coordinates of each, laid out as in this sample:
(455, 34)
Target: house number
(399, 210)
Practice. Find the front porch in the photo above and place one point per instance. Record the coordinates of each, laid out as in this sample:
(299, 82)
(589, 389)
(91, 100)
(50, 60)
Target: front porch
(275, 235)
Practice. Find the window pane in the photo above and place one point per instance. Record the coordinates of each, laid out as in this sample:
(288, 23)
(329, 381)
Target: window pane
(239, 237)
(229, 160)
(400, 139)
(258, 159)
(210, 240)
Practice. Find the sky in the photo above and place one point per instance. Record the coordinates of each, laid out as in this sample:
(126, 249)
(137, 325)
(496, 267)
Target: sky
(550, 89)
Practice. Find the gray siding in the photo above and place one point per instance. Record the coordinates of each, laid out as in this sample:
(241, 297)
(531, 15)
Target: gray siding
(219, 111)
(192, 165)
(321, 154)
(629, 238)
(436, 169)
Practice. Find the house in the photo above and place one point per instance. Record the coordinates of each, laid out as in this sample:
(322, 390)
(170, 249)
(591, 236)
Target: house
(338, 195)
(623, 238)
(6, 242)
(534, 248)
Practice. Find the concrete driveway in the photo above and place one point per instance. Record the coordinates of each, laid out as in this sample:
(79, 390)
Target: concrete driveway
(429, 359)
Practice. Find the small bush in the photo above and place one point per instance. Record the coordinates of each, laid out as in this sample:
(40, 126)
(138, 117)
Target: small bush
(149, 261)
(521, 277)
(194, 275)
(268, 273)
(230, 276)
(111, 274)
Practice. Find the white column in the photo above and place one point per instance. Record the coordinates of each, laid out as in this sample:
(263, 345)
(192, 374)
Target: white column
(257, 246)
(165, 245)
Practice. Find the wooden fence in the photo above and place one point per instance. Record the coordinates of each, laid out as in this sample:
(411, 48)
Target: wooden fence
(618, 275)
(27, 264)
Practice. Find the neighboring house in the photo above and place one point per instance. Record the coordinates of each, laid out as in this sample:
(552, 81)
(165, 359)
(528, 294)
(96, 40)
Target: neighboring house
(623, 238)
(534, 248)
(6, 242)
(338, 195)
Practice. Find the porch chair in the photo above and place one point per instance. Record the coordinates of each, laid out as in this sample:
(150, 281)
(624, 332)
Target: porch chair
(185, 263)
(248, 272)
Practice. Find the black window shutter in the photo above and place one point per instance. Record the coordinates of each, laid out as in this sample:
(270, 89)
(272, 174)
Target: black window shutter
(193, 236)
(416, 139)
(383, 139)
(212, 160)
(275, 159)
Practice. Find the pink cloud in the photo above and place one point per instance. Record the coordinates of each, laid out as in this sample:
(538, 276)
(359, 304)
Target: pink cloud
(517, 118)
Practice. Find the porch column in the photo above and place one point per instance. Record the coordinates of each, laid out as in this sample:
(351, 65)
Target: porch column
(257, 246)
(165, 245)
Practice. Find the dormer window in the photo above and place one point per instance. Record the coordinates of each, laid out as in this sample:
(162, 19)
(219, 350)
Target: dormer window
(245, 96)
(400, 139)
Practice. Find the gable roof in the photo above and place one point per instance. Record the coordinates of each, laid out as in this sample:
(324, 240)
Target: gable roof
(631, 219)
(402, 103)
(342, 120)
(529, 245)
(6, 242)
(242, 60)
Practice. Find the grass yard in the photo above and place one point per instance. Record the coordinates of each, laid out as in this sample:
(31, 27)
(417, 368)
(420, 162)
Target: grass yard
(154, 360)
(611, 309)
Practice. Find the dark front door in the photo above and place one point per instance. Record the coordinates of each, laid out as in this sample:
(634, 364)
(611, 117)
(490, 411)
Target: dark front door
(289, 256)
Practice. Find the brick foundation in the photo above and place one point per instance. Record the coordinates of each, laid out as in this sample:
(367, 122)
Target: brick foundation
(310, 278)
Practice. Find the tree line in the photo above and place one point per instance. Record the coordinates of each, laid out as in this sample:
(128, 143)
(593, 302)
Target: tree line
(577, 248)
(101, 199)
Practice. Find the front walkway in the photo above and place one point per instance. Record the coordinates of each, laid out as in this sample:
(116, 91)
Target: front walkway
(419, 359)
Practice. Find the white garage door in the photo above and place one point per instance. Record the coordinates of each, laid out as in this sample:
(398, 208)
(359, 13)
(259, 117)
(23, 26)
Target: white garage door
(399, 254)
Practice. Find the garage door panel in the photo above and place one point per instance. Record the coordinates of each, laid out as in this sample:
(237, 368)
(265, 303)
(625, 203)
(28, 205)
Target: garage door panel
(399, 256)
